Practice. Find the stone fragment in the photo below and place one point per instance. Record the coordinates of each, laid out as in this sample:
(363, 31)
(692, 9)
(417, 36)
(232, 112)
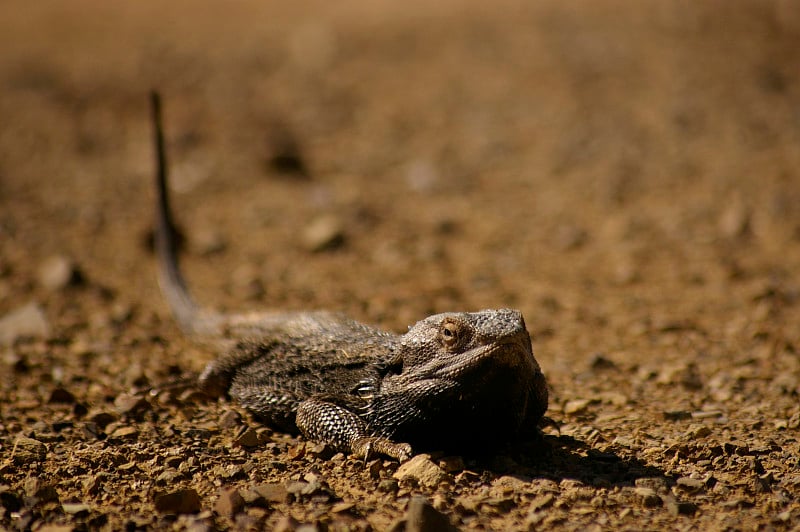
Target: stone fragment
(248, 439)
(421, 469)
(28, 451)
(690, 484)
(576, 406)
(131, 405)
(272, 492)
(323, 233)
(229, 502)
(681, 507)
(422, 517)
(75, 508)
(648, 497)
(182, 501)
(59, 272)
(207, 241)
(121, 434)
(61, 395)
(229, 419)
(541, 502)
(27, 321)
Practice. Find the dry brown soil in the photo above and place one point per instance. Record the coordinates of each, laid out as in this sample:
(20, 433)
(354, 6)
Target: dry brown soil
(624, 172)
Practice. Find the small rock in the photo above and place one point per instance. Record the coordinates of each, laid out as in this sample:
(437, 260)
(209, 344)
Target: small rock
(600, 362)
(103, 419)
(272, 492)
(696, 432)
(541, 502)
(568, 237)
(208, 241)
(229, 419)
(248, 439)
(322, 451)
(677, 415)
(681, 507)
(323, 233)
(28, 450)
(286, 523)
(576, 406)
(123, 434)
(75, 508)
(27, 321)
(131, 405)
(10, 500)
(690, 484)
(422, 517)
(184, 501)
(229, 502)
(423, 470)
(61, 395)
(58, 272)
(649, 497)
(735, 220)
(340, 507)
(39, 490)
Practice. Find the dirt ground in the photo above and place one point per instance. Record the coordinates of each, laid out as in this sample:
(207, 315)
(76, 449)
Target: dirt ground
(623, 172)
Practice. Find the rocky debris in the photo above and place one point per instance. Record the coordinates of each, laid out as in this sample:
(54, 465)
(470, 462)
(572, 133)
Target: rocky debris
(131, 405)
(421, 516)
(207, 241)
(61, 396)
(229, 419)
(248, 438)
(27, 321)
(229, 502)
(323, 233)
(421, 470)
(58, 272)
(28, 451)
(182, 501)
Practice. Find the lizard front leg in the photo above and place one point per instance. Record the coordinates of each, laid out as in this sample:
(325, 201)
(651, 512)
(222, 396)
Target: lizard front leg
(322, 419)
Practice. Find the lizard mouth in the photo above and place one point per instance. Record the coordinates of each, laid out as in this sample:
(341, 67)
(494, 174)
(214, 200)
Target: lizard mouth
(513, 353)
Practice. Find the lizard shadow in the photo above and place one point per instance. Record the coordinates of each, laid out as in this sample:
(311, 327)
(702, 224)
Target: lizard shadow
(565, 457)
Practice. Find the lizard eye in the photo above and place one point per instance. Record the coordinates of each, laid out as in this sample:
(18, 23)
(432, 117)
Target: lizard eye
(450, 334)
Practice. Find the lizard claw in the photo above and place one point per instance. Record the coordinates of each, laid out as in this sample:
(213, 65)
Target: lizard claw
(364, 447)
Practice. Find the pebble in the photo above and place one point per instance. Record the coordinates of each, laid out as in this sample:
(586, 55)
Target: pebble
(681, 507)
(421, 469)
(648, 497)
(248, 439)
(184, 501)
(121, 434)
(27, 321)
(59, 272)
(229, 419)
(61, 396)
(422, 517)
(28, 451)
(271, 492)
(208, 241)
(75, 508)
(229, 502)
(690, 484)
(128, 405)
(322, 234)
(576, 406)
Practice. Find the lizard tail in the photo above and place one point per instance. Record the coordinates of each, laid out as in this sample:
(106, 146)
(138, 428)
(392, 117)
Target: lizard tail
(190, 317)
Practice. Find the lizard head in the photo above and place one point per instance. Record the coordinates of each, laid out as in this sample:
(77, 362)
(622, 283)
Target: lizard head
(451, 345)
(462, 377)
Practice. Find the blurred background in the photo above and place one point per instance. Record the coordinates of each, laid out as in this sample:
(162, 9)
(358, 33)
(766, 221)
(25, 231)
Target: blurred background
(604, 165)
